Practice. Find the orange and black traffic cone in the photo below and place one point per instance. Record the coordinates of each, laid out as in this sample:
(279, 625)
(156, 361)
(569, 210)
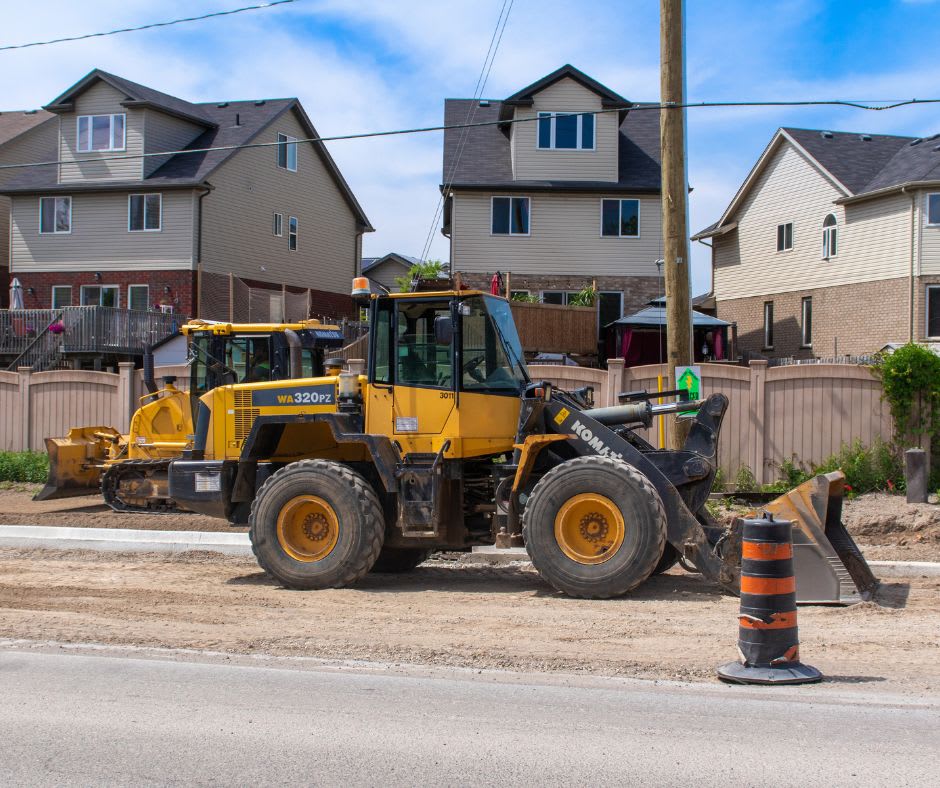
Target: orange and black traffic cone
(768, 639)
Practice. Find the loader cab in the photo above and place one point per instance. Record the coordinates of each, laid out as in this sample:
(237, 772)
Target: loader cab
(444, 367)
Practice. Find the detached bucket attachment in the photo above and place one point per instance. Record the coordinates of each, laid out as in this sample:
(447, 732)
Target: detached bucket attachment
(830, 569)
(75, 462)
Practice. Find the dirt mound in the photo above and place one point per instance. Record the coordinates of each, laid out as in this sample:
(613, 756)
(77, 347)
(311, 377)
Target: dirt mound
(879, 519)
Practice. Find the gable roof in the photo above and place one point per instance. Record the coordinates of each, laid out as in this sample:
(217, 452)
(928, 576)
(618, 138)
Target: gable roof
(404, 260)
(14, 123)
(918, 160)
(137, 96)
(526, 96)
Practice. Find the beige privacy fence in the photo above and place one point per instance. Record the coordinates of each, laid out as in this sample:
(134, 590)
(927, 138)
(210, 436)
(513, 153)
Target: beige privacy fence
(804, 413)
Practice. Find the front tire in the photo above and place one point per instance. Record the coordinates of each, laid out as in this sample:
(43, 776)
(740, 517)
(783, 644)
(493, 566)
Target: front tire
(594, 527)
(316, 524)
(398, 560)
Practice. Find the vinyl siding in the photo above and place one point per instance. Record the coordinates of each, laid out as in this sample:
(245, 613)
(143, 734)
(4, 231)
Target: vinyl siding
(532, 163)
(564, 238)
(100, 99)
(164, 132)
(385, 274)
(874, 236)
(99, 239)
(930, 241)
(238, 215)
(37, 144)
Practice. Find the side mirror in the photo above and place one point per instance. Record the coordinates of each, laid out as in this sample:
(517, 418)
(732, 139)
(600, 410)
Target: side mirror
(443, 329)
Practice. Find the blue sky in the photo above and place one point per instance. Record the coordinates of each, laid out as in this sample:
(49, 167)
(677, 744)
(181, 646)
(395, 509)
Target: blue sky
(368, 66)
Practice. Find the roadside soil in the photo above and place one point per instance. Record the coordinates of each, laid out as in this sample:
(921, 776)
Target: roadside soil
(675, 626)
(885, 526)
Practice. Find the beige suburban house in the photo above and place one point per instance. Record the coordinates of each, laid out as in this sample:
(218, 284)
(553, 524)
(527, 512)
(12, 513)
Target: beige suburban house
(152, 205)
(559, 189)
(831, 246)
(383, 271)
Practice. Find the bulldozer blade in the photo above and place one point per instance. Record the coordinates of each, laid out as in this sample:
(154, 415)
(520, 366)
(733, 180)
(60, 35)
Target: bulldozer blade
(829, 567)
(75, 463)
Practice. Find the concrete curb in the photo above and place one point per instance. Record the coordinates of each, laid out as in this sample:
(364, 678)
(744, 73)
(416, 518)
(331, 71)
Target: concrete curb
(131, 540)
(123, 539)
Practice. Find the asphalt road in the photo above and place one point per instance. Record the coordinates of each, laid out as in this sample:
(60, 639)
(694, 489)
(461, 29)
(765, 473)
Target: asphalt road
(75, 719)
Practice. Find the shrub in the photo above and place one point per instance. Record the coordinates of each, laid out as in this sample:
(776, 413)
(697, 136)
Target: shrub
(910, 378)
(876, 468)
(745, 481)
(23, 466)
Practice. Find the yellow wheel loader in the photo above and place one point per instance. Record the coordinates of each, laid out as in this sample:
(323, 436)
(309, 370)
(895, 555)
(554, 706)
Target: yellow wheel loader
(131, 470)
(445, 442)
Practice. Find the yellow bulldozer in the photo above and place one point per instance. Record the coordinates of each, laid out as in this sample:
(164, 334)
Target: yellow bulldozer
(131, 470)
(446, 442)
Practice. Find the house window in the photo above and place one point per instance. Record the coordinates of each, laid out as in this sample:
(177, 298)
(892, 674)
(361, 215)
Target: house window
(830, 244)
(279, 224)
(100, 132)
(620, 218)
(933, 209)
(566, 131)
(144, 212)
(785, 237)
(933, 311)
(522, 295)
(559, 297)
(768, 325)
(55, 215)
(292, 233)
(287, 152)
(138, 297)
(61, 296)
(510, 216)
(806, 323)
(100, 295)
(610, 307)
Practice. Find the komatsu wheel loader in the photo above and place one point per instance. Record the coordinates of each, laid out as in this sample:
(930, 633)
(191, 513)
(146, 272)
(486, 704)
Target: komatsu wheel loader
(130, 470)
(445, 442)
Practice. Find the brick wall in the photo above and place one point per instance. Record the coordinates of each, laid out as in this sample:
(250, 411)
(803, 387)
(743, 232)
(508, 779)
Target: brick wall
(180, 296)
(847, 320)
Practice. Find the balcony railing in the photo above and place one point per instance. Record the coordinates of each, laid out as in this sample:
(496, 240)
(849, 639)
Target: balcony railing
(36, 335)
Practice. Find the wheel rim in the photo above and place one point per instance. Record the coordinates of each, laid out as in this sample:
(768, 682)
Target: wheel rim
(589, 528)
(307, 528)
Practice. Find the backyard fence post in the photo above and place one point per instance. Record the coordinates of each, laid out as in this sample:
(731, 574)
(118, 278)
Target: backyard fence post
(25, 414)
(915, 474)
(756, 417)
(614, 381)
(126, 398)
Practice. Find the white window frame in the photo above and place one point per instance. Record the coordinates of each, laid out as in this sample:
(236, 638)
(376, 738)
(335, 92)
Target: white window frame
(52, 295)
(145, 229)
(90, 118)
(804, 302)
(620, 201)
(54, 231)
(777, 237)
(116, 288)
(293, 233)
(830, 234)
(290, 146)
(512, 197)
(768, 326)
(927, 311)
(146, 300)
(580, 133)
(927, 200)
(278, 227)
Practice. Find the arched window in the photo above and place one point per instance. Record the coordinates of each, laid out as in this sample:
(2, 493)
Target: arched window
(830, 245)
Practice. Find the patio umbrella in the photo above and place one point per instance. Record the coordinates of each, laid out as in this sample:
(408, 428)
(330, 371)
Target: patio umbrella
(16, 295)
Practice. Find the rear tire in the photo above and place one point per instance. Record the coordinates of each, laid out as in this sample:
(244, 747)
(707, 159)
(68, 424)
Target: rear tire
(398, 560)
(316, 524)
(594, 527)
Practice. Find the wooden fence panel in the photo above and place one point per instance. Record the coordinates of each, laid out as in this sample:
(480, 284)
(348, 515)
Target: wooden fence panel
(61, 399)
(552, 328)
(11, 423)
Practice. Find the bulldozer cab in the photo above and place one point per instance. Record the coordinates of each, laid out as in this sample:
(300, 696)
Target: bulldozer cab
(436, 357)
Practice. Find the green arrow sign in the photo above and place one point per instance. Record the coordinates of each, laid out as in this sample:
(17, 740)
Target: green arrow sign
(690, 379)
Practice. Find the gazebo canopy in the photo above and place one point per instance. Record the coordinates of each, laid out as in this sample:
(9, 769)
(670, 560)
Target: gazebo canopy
(655, 316)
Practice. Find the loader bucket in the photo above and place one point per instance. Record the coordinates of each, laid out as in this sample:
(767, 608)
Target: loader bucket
(829, 567)
(75, 462)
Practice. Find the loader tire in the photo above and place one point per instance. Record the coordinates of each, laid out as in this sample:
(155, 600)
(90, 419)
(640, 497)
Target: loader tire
(398, 560)
(316, 524)
(594, 527)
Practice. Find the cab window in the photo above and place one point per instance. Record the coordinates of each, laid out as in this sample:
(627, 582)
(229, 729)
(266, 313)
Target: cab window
(421, 360)
(250, 359)
(487, 342)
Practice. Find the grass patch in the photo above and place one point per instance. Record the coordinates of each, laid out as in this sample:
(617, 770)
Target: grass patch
(23, 467)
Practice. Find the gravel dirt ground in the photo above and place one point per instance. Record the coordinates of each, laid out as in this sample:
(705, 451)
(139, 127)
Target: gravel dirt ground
(446, 613)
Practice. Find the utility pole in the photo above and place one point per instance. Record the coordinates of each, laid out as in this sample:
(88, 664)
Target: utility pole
(675, 184)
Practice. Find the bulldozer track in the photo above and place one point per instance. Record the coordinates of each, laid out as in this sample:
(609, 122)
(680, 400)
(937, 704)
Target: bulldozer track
(111, 482)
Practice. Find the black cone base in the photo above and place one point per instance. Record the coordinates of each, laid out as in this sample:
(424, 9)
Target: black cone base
(789, 673)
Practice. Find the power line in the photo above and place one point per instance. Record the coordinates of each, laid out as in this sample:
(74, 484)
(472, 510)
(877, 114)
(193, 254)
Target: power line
(865, 105)
(213, 15)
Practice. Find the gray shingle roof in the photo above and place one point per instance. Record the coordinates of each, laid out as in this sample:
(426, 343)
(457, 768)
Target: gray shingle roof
(485, 160)
(368, 263)
(912, 162)
(855, 159)
(14, 123)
